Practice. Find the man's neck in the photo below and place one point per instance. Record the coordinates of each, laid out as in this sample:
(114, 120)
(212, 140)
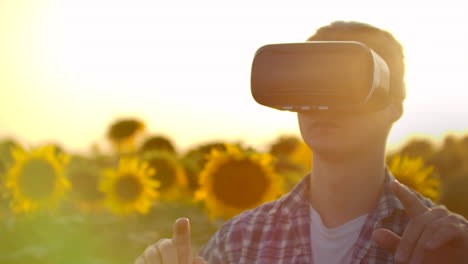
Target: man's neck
(344, 190)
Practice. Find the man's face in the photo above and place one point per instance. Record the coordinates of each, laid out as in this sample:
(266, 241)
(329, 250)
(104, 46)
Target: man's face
(338, 135)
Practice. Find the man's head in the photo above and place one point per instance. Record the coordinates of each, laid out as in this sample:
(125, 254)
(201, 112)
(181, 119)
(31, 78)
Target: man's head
(333, 135)
(378, 40)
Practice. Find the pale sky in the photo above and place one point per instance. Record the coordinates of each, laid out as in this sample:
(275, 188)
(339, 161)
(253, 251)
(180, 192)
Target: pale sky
(68, 68)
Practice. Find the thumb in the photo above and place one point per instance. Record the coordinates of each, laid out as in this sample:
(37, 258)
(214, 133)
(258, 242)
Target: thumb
(386, 239)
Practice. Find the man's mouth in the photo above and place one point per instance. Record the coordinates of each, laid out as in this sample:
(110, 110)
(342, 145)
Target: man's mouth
(324, 124)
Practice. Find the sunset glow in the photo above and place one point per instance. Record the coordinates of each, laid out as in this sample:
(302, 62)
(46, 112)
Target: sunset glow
(68, 68)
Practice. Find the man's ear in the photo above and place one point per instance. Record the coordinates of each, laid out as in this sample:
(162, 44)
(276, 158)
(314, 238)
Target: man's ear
(396, 110)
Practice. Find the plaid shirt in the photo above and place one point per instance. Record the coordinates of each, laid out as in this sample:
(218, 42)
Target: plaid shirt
(279, 231)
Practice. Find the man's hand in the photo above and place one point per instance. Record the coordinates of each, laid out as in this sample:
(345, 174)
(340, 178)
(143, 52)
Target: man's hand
(431, 236)
(176, 250)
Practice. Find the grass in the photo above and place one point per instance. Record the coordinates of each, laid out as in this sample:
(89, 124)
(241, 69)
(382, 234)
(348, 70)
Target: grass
(96, 238)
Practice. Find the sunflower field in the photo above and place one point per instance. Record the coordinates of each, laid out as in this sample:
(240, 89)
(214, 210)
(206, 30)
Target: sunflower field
(62, 207)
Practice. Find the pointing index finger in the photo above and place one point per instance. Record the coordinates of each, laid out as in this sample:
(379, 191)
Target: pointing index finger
(410, 201)
(182, 242)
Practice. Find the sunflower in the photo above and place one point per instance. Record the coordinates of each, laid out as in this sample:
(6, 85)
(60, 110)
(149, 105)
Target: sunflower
(414, 148)
(158, 143)
(235, 180)
(169, 173)
(194, 161)
(3, 198)
(284, 145)
(130, 187)
(6, 145)
(302, 155)
(123, 133)
(2, 177)
(414, 174)
(36, 179)
(84, 176)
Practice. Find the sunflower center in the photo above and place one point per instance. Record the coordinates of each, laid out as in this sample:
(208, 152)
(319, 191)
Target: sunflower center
(124, 129)
(240, 183)
(128, 188)
(165, 173)
(85, 186)
(37, 179)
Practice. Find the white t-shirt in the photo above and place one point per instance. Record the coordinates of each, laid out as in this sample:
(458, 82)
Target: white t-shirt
(334, 245)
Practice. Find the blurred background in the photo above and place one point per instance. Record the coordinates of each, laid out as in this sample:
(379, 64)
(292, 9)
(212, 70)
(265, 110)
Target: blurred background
(155, 95)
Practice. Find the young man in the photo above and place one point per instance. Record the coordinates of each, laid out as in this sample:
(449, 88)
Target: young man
(349, 208)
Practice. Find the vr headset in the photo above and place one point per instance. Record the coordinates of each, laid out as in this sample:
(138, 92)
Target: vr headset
(320, 76)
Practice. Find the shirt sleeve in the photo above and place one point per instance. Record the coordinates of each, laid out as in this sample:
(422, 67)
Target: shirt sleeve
(211, 252)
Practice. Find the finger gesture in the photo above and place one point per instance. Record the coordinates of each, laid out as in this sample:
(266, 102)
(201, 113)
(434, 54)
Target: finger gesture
(431, 236)
(177, 250)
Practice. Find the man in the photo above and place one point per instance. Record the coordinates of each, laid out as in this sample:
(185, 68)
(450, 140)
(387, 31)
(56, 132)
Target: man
(349, 208)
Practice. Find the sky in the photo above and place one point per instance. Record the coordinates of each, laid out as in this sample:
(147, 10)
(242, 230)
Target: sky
(69, 68)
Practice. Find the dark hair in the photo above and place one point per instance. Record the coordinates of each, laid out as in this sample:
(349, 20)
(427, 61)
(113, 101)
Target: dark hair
(379, 40)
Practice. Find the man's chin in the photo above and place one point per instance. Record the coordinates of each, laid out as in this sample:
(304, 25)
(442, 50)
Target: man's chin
(332, 152)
